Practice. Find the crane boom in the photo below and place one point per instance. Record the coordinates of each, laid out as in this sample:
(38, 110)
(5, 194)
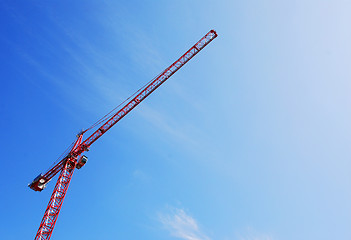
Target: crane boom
(167, 73)
(72, 160)
(40, 182)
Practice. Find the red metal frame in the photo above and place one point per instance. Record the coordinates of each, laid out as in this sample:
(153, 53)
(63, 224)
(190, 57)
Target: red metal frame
(168, 72)
(68, 163)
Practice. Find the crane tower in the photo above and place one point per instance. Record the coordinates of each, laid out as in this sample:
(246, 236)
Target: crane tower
(74, 158)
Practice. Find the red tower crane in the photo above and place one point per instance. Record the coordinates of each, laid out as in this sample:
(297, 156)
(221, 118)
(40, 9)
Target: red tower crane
(74, 158)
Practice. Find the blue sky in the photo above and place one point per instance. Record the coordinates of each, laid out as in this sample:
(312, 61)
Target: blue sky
(249, 141)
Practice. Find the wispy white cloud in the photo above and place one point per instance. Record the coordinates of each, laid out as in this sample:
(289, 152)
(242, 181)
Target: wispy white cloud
(251, 234)
(166, 124)
(181, 225)
(140, 175)
(97, 78)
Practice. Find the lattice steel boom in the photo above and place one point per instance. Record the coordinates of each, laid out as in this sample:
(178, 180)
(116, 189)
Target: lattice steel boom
(74, 159)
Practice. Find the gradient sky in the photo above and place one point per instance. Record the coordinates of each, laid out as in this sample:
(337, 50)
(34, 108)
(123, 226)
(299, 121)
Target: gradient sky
(249, 141)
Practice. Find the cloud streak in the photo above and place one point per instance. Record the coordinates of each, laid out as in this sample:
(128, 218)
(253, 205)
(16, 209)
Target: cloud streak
(181, 225)
(251, 234)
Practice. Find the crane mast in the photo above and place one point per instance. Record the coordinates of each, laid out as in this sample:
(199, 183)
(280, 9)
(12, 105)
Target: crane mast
(74, 159)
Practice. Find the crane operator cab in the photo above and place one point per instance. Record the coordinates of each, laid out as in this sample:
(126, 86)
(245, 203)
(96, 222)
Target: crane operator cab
(82, 161)
(39, 183)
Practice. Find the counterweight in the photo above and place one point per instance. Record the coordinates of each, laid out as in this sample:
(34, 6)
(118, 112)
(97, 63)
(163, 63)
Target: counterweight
(72, 160)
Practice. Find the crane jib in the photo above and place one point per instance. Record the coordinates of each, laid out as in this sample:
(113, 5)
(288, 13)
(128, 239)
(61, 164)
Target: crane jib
(168, 72)
(40, 182)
